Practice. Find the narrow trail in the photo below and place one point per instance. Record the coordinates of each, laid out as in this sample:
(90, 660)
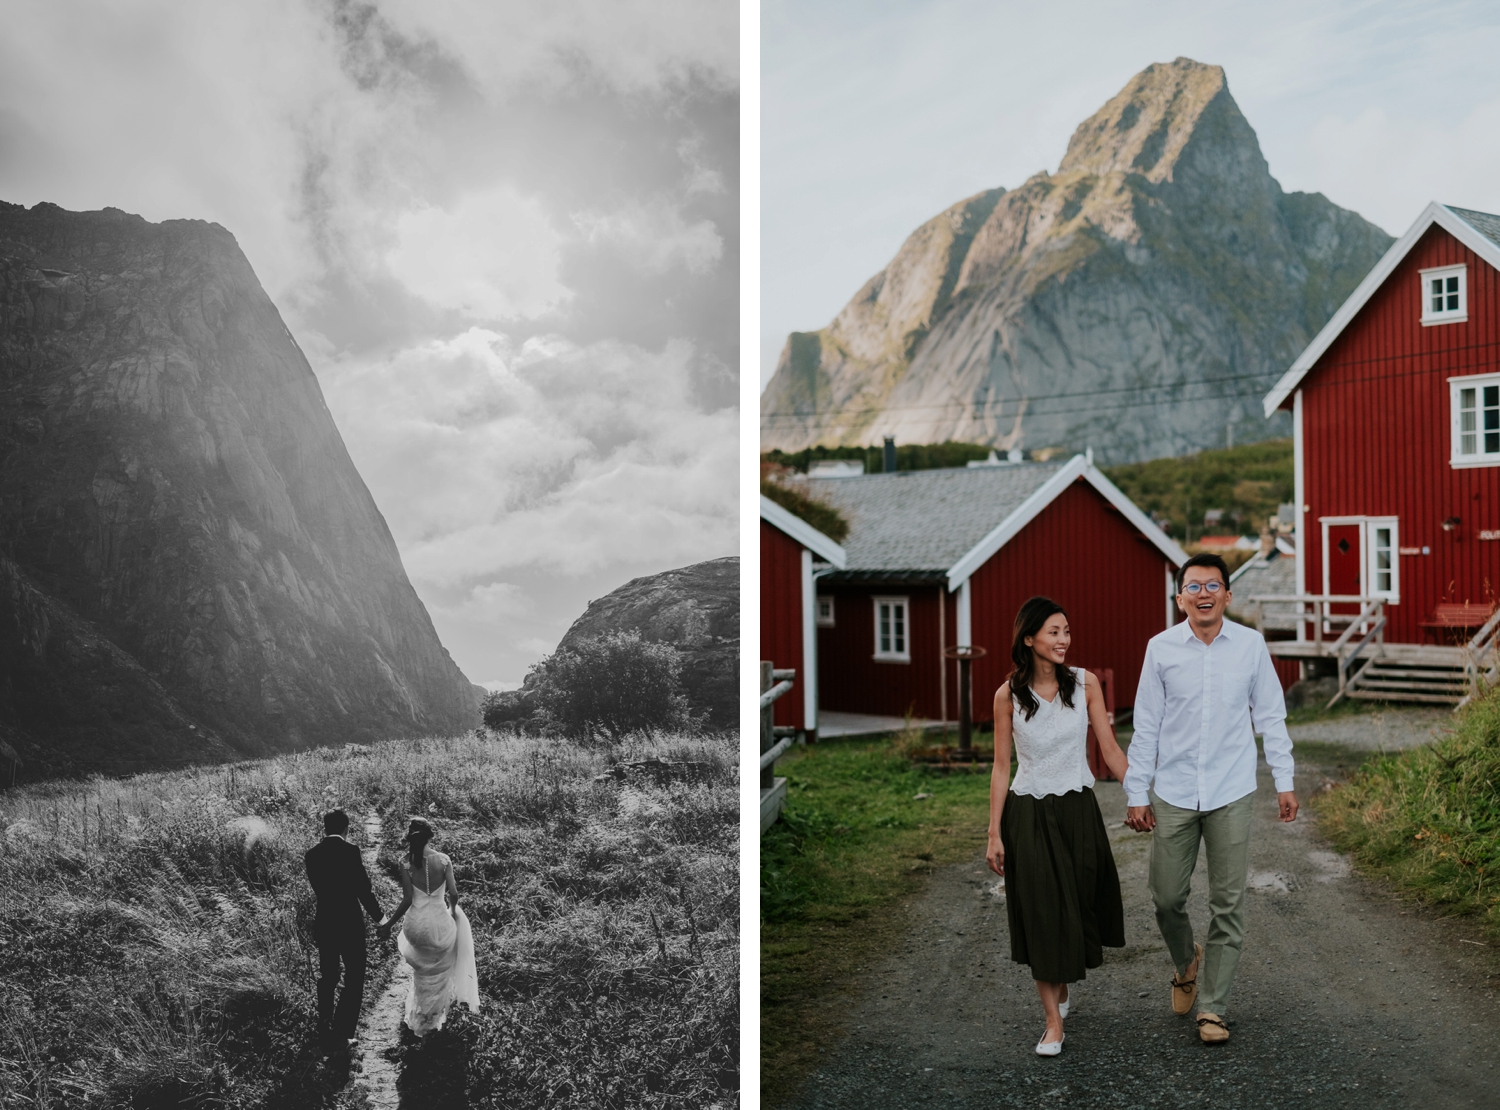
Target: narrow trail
(1345, 997)
(387, 1071)
(375, 1075)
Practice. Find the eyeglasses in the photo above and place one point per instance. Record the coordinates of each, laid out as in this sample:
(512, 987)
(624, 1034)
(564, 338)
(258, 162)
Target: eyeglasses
(1198, 587)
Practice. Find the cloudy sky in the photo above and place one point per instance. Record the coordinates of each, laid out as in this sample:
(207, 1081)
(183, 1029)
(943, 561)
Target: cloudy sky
(878, 114)
(504, 233)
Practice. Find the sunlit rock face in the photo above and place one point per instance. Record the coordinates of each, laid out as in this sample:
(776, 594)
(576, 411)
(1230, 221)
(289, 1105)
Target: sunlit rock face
(174, 491)
(1139, 301)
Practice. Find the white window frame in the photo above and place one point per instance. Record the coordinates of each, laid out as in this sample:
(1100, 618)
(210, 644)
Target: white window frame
(903, 641)
(1369, 554)
(1457, 459)
(1445, 315)
(824, 621)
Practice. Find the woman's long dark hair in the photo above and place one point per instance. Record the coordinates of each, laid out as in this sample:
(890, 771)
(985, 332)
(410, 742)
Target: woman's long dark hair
(418, 833)
(1030, 620)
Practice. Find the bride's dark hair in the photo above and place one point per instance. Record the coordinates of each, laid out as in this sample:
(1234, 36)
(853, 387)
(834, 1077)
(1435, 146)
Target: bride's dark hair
(1034, 614)
(418, 833)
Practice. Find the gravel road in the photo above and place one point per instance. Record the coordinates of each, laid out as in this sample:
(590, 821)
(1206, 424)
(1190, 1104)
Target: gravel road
(1344, 997)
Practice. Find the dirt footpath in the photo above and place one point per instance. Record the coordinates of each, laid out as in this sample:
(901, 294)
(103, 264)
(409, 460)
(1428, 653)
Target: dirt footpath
(1344, 997)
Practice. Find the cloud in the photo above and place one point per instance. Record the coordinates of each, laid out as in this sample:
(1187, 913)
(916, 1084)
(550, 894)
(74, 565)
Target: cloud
(492, 255)
(486, 457)
(655, 237)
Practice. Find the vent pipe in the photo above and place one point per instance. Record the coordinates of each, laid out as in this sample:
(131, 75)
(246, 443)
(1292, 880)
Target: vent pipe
(890, 455)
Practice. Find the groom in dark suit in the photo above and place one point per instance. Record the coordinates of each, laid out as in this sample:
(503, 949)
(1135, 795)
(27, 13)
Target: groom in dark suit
(342, 885)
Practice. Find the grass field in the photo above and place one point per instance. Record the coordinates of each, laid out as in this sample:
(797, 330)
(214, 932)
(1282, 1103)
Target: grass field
(853, 841)
(156, 953)
(1427, 820)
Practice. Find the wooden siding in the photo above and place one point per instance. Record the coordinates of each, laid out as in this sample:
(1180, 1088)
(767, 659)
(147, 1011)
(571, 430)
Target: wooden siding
(1081, 552)
(1376, 436)
(781, 616)
(852, 680)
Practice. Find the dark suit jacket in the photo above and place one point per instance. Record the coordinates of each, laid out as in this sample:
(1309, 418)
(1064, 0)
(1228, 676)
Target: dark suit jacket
(339, 879)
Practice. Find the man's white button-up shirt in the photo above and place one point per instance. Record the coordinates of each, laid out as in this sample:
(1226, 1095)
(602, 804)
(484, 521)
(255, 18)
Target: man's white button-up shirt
(1197, 711)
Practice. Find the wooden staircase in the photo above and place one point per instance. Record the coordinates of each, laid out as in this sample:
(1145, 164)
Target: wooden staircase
(1386, 679)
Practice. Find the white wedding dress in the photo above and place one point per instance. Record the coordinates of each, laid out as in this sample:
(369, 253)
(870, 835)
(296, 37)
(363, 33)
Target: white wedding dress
(439, 947)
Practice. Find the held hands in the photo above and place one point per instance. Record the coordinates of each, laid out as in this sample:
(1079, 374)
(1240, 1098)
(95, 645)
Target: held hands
(1286, 803)
(1140, 818)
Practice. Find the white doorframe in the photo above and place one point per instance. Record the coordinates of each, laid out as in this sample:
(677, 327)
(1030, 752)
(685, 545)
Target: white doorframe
(1366, 553)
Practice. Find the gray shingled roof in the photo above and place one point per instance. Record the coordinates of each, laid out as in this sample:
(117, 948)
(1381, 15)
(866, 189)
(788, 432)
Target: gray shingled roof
(1482, 222)
(924, 521)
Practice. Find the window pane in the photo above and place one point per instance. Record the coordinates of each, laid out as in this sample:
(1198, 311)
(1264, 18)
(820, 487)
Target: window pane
(1492, 443)
(1491, 396)
(900, 629)
(1453, 284)
(885, 628)
(1452, 302)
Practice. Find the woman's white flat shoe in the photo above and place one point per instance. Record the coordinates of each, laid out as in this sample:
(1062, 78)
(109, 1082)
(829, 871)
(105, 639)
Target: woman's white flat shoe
(1062, 1007)
(1050, 1048)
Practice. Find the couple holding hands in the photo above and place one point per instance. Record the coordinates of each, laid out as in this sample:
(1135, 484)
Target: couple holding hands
(1207, 686)
(435, 940)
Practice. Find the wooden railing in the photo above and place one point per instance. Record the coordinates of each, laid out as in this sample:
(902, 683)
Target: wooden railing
(1317, 610)
(773, 741)
(1484, 660)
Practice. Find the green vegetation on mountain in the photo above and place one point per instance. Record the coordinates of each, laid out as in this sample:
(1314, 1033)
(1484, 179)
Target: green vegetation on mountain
(1248, 483)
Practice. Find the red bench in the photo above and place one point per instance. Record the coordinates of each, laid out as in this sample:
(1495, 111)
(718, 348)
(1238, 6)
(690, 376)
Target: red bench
(1458, 617)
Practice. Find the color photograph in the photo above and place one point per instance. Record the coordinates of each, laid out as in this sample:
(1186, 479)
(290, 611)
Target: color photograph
(369, 554)
(1175, 330)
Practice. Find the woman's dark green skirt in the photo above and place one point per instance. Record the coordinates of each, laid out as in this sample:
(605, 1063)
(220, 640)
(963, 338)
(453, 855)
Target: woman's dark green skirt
(1062, 892)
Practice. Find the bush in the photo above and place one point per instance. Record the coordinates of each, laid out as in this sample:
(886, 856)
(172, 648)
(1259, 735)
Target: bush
(612, 686)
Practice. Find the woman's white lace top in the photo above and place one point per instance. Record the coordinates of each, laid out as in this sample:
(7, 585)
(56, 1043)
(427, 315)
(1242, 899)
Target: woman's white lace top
(1052, 747)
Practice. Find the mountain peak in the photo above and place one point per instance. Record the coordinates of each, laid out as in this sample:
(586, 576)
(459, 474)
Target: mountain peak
(1146, 126)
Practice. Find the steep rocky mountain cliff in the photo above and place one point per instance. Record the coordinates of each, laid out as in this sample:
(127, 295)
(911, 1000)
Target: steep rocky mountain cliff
(695, 609)
(1139, 301)
(190, 565)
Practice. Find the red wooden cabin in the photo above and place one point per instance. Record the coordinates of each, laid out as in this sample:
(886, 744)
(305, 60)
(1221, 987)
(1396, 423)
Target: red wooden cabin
(939, 558)
(790, 549)
(1396, 415)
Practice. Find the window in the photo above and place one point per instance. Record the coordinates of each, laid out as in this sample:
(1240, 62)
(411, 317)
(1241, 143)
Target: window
(1444, 295)
(1475, 402)
(891, 629)
(825, 611)
(1382, 550)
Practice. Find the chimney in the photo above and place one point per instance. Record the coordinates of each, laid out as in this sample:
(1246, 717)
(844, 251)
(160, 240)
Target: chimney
(890, 455)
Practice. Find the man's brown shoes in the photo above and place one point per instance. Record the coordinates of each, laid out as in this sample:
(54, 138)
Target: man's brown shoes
(1185, 987)
(1211, 1029)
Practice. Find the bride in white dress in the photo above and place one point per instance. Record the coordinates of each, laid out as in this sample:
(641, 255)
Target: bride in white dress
(435, 940)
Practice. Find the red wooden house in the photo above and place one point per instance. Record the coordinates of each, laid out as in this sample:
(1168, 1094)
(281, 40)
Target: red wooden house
(940, 558)
(790, 548)
(1396, 415)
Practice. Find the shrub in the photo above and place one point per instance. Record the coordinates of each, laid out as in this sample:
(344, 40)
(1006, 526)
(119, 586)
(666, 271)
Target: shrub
(613, 685)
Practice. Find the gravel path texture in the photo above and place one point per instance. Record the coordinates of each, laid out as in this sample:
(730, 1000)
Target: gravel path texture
(1344, 998)
(1387, 729)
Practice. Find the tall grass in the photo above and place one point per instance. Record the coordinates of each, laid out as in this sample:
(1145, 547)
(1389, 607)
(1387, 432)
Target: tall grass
(1428, 819)
(156, 953)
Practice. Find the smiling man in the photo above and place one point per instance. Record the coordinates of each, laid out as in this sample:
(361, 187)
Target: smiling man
(1207, 687)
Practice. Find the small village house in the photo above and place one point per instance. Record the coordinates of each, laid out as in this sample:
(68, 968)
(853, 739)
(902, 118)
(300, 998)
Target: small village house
(1396, 421)
(939, 558)
(790, 549)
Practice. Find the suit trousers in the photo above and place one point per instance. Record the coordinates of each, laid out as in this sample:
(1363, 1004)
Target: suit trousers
(1225, 833)
(346, 948)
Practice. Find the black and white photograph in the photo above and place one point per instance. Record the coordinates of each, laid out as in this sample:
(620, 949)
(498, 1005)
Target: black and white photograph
(369, 554)
(1129, 437)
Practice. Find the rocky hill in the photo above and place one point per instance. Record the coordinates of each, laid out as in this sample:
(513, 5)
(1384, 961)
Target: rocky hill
(190, 565)
(1139, 301)
(696, 609)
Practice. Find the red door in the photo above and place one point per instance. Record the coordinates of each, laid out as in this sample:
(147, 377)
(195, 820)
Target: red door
(1343, 554)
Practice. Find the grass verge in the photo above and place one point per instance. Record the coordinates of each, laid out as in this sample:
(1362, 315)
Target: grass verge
(154, 930)
(852, 842)
(1427, 820)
